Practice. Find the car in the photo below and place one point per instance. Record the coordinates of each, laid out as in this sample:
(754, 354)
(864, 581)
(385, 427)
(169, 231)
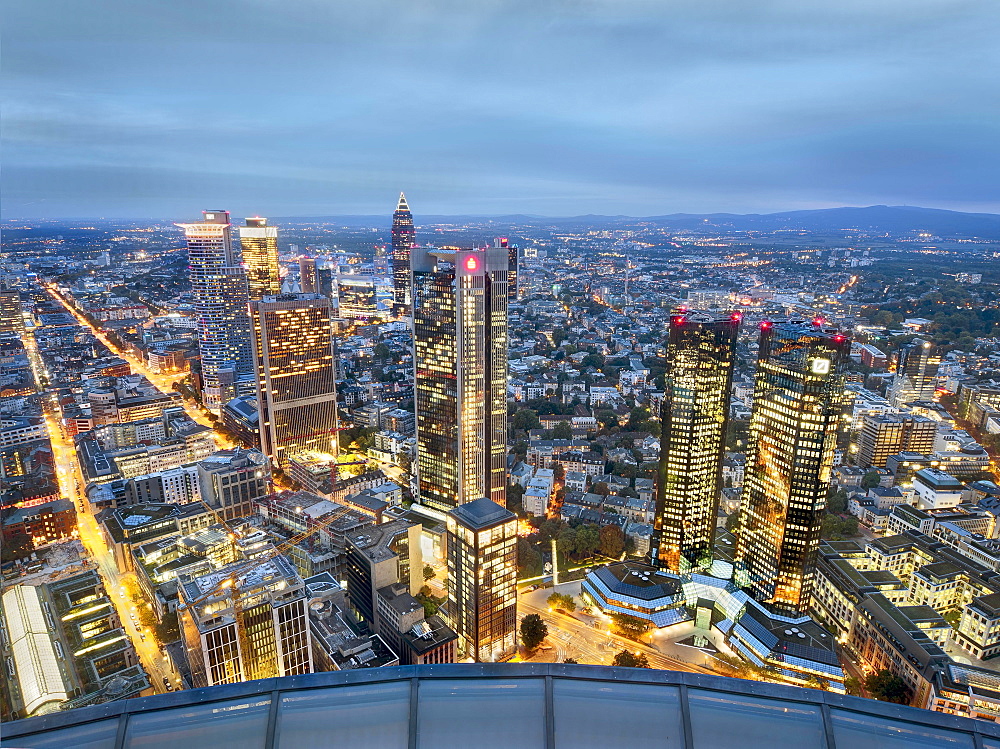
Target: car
(167, 685)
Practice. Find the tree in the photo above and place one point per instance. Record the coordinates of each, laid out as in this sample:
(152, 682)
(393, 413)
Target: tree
(836, 502)
(630, 626)
(870, 480)
(429, 573)
(562, 601)
(529, 561)
(16, 546)
(886, 686)
(559, 472)
(382, 351)
(587, 540)
(733, 522)
(631, 660)
(570, 660)
(525, 420)
(563, 430)
(607, 417)
(600, 488)
(612, 541)
(533, 631)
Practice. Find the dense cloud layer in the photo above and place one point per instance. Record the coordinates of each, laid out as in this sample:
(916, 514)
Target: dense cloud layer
(299, 107)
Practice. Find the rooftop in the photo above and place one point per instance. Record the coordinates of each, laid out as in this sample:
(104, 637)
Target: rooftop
(482, 513)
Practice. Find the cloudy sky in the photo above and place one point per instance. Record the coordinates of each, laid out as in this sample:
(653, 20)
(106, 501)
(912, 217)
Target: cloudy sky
(159, 108)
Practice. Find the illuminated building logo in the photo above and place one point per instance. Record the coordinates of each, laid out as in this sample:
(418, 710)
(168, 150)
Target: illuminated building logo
(821, 366)
(471, 263)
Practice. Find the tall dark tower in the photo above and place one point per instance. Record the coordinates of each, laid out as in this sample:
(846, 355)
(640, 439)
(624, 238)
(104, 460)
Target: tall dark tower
(797, 404)
(700, 356)
(512, 253)
(460, 371)
(402, 245)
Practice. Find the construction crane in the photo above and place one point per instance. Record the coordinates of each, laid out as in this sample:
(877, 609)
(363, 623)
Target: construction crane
(230, 582)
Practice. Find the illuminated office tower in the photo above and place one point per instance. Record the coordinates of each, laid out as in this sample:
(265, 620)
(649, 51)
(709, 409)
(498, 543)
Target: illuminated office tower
(512, 252)
(700, 358)
(797, 407)
(260, 255)
(482, 580)
(11, 319)
(219, 288)
(269, 603)
(296, 386)
(308, 275)
(402, 246)
(915, 376)
(460, 363)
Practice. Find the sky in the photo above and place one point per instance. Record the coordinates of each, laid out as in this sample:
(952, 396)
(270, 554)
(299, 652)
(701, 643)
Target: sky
(162, 108)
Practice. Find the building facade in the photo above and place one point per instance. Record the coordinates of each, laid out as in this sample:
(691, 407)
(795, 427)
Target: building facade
(260, 254)
(460, 362)
(885, 435)
(403, 240)
(700, 357)
(296, 378)
(915, 377)
(797, 408)
(219, 288)
(482, 579)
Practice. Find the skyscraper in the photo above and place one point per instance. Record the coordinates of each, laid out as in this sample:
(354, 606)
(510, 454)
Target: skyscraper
(308, 275)
(793, 432)
(482, 579)
(512, 253)
(11, 319)
(915, 376)
(219, 288)
(402, 246)
(296, 385)
(700, 357)
(460, 363)
(260, 254)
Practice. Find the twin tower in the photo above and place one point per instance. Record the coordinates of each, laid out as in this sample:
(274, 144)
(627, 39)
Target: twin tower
(794, 421)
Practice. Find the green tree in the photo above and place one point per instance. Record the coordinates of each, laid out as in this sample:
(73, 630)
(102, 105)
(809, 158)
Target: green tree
(533, 631)
(562, 601)
(529, 561)
(870, 480)
(429, 573)
(612, 541)
(886, 686)
(600, 488)
(733, 522)
(630, 660)
(563, 430)
(607, 417)
(525, 420)
(588, 538)
(630, 626)
(837, 501)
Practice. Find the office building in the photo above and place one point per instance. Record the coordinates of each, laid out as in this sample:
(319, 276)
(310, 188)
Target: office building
(11, 319)
(512, 258)
(885, 435)
(482, 579)
(308, 275)
(260, 254)
(232, 481)
(403, 235)
(797, 406)
(219, 288)
(460, 362)
(268, 602)
(700, 358)
(915, 369)
(296, 386)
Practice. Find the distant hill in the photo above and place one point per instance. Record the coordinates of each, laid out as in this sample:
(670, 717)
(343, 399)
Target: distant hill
(893, 220)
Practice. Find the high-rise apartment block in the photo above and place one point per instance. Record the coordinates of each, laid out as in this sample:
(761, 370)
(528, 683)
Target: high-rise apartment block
(268, 602)
(460, 362)
(482, 579)
(700, 359)
(885, 435)
(11, 319)
(915, 367)
(797, 405)
(219, 288)
(403, 235)
(260, 254)
(296, 380)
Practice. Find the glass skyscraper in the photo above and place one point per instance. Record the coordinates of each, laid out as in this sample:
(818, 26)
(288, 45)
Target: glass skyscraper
(700, 357)
(460, 363)
(296, 384)
(797, 404)
(403, 235)
(219, 288)
(915, 377)
(260, 254)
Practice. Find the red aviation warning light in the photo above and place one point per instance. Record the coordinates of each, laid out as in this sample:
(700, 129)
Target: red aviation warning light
(839, 338)
(471, 263)
(736, 316)
(818, 322)
(765, 325)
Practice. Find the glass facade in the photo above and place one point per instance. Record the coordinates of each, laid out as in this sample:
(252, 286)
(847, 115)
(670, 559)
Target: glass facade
(915, 376)
(700, 359)
(296, 384)
(403, 235)
(260, 255)
(460, 363)
(797, 406)
(219, 288)
(553, 706)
